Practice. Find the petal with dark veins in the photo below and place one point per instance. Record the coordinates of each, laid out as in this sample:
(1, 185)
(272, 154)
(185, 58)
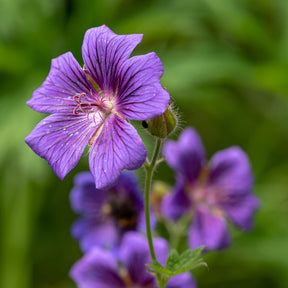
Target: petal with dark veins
(117, 147)
(61, 139)
(104, 52)
(140, 94)
(65, 80)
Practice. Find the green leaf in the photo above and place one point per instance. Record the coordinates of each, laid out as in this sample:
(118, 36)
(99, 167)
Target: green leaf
(177, 264)
(159, 269)
(195, 265)
(187, 260)
(172, 260)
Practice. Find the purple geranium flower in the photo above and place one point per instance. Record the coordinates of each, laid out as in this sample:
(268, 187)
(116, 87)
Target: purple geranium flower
(210, 192)
(89, 106)
(106, 215)
(99, 268)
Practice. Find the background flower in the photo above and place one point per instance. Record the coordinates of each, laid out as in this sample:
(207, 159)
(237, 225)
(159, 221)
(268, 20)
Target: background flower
(210, 192)
(106, 215)
(98, 268)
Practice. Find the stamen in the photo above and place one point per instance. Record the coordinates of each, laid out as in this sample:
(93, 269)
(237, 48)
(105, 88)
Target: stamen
(81, 105)
(74, 111)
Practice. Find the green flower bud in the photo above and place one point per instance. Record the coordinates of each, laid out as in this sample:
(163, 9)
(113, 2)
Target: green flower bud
(163, 125)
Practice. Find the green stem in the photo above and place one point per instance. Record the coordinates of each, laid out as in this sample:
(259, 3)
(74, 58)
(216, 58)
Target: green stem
(149, 174)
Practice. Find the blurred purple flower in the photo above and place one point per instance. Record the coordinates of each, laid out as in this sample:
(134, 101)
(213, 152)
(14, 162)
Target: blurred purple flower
(210, 192)
(99, 268)
(106, 215)
(89, 106)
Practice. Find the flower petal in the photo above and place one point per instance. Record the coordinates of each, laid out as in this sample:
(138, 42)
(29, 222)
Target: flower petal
(97, 269)
(141, 226)
(85, 199)
(184, 280)
(175, 204)
(134, 254)
(230, 171)
(127, 191)
(61, 139)
(209, 230)
(187, 155)
(128, 184)
(140, 94)
(65, 80)
(117, 147)
(93, 234)
(241, 209)
(104, 52)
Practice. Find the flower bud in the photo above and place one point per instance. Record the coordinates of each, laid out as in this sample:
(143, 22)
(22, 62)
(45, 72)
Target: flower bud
(163, 125)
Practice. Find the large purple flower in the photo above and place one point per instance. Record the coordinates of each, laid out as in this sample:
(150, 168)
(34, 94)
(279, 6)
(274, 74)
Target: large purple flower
(106, 215)
(99, 268)
(90, 106)
(210, 192)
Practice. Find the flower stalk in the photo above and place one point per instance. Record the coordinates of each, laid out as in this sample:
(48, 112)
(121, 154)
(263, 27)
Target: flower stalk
(150, 167)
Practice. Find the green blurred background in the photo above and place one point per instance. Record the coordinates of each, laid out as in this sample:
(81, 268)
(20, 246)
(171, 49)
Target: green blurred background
(226, 65)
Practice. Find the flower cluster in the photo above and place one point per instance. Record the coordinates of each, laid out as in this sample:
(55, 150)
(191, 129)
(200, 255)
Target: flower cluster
(109, 234)
(89, 106)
